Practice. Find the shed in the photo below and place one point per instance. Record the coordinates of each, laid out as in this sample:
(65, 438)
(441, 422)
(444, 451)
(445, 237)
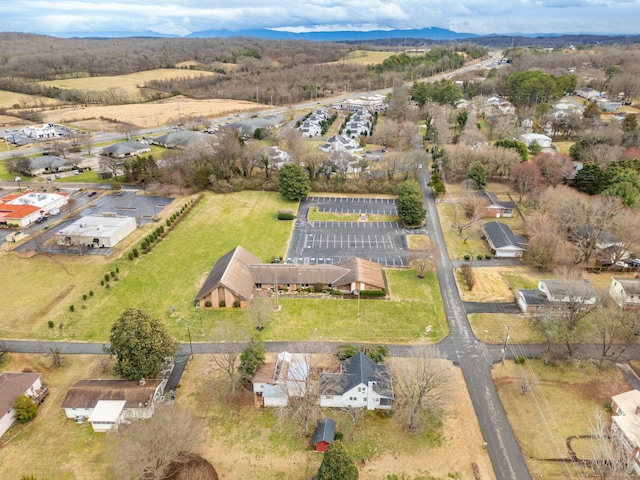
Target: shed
(107, 415)
(324, 434)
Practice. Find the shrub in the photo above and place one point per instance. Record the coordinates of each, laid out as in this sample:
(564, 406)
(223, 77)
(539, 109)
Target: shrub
(72, 308)
(168, 222)
(479, 257)
(318, 286)
(25, 409)
(136, 253)
(345, 351)
(467, 257)
(113, 274)
(487, 256)
(236, 303)
(106, 277)
(286, 216)
(102, 283)
(117, 269)
(107, 285)
(520, 359)
(84, 296)
(91, 293)
(373, 293)
(207, 304)
(222, 303)
(130, 256)
(469, 275)
(50, 323)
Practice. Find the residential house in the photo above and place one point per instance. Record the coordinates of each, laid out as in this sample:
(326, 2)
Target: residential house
(180, 139)
(238, 274)
(340, 143)
(606, 244)
(276, 157)
(503, 242)
(274, 382)
(625, 422)
(309, 128)
(324, 434)
(96, 231)
(46, 164)
(625, 292)
(107, 403)
(131, 148)
(495, 207)
(248, 126)
(555, 295)
(588, 93)
(20, 209)
(540, 139)
(12, 385)
(360, 383)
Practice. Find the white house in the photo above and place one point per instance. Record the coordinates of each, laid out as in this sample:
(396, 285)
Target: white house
(625, 422)
(107, 403)
(340, 143)
(542, 140)
(360, 383)
(12, 385)
(556, 295)
(310, 128)
(625, 292)
(274, 383)
(503, 242)
(46, 130)
(96, 231)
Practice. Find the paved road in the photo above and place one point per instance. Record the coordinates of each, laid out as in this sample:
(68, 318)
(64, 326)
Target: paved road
(473, 357)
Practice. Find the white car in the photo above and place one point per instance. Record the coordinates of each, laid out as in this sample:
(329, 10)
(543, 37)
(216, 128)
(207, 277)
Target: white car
(620, 263)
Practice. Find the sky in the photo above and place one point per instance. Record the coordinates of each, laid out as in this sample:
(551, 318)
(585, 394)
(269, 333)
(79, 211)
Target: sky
(182, 17)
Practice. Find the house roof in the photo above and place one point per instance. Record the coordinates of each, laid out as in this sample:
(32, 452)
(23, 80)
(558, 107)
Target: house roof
(493, 199)
(325, 431)
(48, 161)
(629, 421)
(361, 270)
(87, 393)
(571, 288)
(604, 238)
(232, 271)
(107, 411)
(125, 148)
(357, 370)
(12, 385)
(180, 138)
(534, 298)
(501, 236)
(631, 286)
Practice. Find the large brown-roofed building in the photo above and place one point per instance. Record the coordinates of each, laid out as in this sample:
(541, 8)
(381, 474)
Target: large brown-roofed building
(239, 273)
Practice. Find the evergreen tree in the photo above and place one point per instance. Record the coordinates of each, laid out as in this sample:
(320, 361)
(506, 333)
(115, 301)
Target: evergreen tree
(478, 173)
(337, 464)
(25, 409)
(251, 359)
(294, 182)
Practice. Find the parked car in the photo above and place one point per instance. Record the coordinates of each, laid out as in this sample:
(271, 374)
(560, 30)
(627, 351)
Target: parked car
(57, 176)
(91, 194)
(40, 219)
(622, 264)
(635, 262)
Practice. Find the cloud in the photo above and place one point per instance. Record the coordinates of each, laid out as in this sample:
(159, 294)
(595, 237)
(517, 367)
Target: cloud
(183, 16)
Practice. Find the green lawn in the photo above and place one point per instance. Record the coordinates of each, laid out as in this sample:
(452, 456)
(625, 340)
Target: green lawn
(165, 282)
(455, 243)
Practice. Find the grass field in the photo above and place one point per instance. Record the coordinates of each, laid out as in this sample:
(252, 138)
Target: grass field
(563, 147)
(129, 83)
(365, 57)
(455, 243)
(558, 401)
(147, 115)
(165, 282)
(244, 441)
(9, 99)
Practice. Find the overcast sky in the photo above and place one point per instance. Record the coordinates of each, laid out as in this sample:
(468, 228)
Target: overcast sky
(185, 16)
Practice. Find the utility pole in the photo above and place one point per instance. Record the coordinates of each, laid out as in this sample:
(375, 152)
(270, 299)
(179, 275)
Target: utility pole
(506, 341)
(190, 344)
(200, 315)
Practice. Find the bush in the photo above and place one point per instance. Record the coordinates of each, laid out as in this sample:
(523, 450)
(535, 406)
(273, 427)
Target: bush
(102, 283)
(346, 351)
(236, 303)
(168, 222)
(373, 293)
(467, 257)
(25, 409)
(130, 256)
(479, 257)
(84, 296)
(91, 293)
(487, 256)
(72, 308)
(113, 274)
(520, 359)
(318, 287)
(50, 323)
(286, 216)
(136, 253)
(222, 303)
(106, 277)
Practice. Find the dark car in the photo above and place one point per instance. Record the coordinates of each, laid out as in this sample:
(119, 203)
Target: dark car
(40, 219)
(91, 194)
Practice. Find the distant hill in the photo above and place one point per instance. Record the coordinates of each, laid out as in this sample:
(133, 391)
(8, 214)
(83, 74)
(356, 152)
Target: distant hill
(96, 35)
(342, 36)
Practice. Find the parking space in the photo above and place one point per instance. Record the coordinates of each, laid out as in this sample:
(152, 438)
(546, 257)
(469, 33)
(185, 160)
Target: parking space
(324, 243)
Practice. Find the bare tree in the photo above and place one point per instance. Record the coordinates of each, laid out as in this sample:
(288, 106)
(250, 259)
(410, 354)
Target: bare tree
(618, 330)
(469, 275)
(610, 458)
(355, 414)
(3, 351)
(56, 356)
(420, 383)
(467, 223)
(148, 447)
(260, 311)
(227, 364)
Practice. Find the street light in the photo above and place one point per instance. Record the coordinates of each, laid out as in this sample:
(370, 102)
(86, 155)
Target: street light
(17, 180)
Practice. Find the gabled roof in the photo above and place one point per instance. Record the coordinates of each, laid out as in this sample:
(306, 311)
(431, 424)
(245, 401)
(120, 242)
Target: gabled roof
(569, 288)
(232, 271)
(48, 161)
(180, 138)
(12, 385)
(87, 393)
(502, 236)
(325, 431)
(493, 199)
(631, 286)
(361, 270)
(357, 370)
(125, 148)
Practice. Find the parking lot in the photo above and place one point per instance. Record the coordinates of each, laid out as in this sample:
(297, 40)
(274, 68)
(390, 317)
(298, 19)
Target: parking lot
(126, 204)
(331, 241)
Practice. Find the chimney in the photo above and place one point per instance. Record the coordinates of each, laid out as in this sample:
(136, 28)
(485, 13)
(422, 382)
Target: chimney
(141, 382)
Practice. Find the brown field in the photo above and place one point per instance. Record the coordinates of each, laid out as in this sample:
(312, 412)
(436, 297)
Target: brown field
(244, 441)
(9, 99)
(496, 284)
(129, 83)
(147, 115)
(558, 401)
(364, 57)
